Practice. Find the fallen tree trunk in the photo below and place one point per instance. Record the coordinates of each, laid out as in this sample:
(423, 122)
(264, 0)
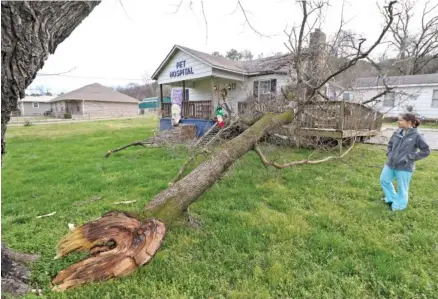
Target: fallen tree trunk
(119, 243)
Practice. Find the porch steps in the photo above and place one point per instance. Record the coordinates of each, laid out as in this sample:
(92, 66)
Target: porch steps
(208, 137)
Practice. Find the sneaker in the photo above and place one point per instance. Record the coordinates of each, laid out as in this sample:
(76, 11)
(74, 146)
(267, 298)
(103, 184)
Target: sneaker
(386, 201)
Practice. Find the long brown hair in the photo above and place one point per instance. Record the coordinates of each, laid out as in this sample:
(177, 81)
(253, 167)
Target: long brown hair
(412, 118)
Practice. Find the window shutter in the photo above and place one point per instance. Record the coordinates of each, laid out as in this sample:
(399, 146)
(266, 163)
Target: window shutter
(255, 90)
(273, 85)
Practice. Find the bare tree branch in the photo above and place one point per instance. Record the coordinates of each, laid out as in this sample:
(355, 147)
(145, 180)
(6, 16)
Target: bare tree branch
(205, 20)
(178, 6)
(267, 163)
(248, 22)
(57, 74)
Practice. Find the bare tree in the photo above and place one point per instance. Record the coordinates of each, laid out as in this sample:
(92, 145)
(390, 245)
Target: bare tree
(416, 47)
(129, 241)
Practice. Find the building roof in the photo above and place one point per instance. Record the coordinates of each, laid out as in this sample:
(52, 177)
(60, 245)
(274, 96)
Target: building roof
(271, 64)
(39, 99)
(397, 80)
(156, 99)
(96, 92)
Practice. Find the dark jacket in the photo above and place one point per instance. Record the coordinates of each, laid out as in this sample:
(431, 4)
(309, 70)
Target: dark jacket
(403, 149)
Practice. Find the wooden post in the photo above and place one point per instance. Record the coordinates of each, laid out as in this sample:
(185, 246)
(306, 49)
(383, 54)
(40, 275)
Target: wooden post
(341, 124)
(184, 90)
(184, 100)
(161, 99)
(213, 106)
(341, 116)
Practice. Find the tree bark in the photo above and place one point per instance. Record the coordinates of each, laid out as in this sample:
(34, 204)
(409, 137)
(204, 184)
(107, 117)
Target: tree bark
(120, 243)
(172, 202)
(31, 30)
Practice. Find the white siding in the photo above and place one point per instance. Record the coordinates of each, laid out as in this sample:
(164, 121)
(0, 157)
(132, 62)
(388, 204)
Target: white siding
(418, 97)
(199, 90)
(199, 68)
(229, 75)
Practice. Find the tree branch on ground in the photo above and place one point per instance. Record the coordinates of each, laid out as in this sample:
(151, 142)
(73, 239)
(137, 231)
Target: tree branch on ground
(267, 162)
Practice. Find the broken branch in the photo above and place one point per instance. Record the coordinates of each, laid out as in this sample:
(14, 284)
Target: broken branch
(266, 162)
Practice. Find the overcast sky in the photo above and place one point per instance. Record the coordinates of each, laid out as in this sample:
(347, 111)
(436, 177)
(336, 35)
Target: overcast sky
(116, 46)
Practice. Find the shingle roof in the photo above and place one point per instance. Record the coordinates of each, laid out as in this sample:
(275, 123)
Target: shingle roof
(280, 63)
(96, 92)
(39, 99)
(398, 80)
(216, 61)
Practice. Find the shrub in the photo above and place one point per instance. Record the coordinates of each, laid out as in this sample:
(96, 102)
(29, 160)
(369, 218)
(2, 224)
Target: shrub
(67, 115)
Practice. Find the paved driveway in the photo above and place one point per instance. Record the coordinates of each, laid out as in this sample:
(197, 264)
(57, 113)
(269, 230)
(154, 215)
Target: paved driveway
(431, 136)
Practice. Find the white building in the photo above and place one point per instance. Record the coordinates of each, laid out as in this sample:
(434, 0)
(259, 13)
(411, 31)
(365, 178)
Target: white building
(416, 93)
(203, 76)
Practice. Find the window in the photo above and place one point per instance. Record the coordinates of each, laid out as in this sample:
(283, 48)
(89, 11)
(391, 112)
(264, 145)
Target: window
(389, 100)
(265, 87)
(77, 108)
(435, 99)
(346, 96)
(36, 105)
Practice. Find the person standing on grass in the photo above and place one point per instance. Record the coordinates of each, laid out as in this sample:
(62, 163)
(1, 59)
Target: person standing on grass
(405, 147)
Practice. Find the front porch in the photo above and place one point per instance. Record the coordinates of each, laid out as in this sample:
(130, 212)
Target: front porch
(190, 109)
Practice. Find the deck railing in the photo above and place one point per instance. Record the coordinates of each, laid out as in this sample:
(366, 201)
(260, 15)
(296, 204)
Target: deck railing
(190, 109)
(337, 115)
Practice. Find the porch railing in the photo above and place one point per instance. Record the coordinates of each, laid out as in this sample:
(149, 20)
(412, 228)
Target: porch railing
(192, 109)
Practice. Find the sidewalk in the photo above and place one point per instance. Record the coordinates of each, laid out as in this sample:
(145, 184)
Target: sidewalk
(431, 136)
(69, 121)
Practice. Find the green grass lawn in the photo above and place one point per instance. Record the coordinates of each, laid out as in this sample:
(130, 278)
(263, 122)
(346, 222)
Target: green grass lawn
(314, 231)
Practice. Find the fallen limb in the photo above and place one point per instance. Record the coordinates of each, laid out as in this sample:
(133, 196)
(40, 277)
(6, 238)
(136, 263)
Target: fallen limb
(47, 215)
(186, 164)
(143, 143)
(266, 162)
(124, 202)
(119, 243)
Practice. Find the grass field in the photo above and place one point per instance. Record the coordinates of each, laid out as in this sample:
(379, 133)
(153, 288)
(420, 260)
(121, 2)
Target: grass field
(316, 231)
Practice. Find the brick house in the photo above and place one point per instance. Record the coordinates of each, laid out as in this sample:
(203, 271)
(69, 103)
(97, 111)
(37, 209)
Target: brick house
(94, 101)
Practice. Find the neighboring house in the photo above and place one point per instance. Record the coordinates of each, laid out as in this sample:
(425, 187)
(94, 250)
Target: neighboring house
(33, 106)
(94, 101)
(416, 93)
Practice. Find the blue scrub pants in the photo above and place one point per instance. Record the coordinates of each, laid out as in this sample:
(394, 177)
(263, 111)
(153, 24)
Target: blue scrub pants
(398, 199)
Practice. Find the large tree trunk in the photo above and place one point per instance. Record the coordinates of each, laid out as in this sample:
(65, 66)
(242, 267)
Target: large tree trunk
(31, 30)
(120, 243)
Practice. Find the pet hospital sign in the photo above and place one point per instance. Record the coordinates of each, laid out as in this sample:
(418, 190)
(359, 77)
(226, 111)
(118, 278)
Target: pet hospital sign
(181, 70)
